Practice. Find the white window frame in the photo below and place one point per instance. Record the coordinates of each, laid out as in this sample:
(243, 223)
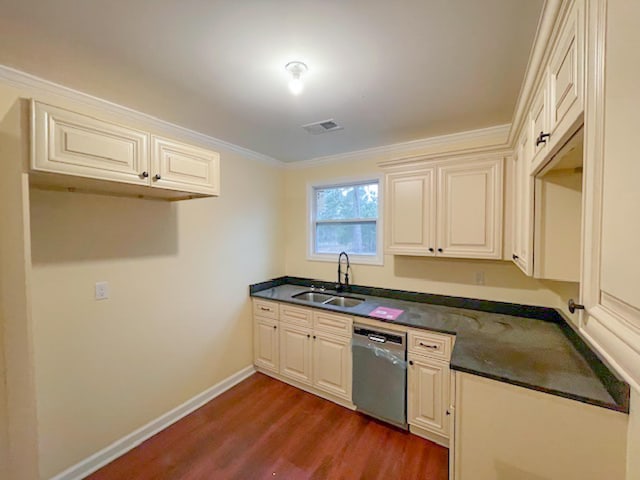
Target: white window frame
(378, 258)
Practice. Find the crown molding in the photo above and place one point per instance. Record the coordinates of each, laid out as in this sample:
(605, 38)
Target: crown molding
(40, 86)
(405, 149)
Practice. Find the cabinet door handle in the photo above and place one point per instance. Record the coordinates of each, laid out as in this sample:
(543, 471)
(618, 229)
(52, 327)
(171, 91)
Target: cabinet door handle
(410, 362)
(428, 346)
(275, 327)
(431, 249)
(308, 336)
(144, 174)
(515, 257)
(542, 138)
(573, 306)
(440, 250)
(314, 337)
(157, 177)
(448, 412)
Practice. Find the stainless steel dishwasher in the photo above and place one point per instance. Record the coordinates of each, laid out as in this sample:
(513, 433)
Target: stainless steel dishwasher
(380, 374)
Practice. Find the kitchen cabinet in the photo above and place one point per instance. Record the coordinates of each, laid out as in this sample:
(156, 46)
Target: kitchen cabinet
(523, 205)
(428, 394)
(182, 167)
(70, 150)
(449, 208)
(503, 431)
(295, 352)
(558, 106)
(411, 212)
(307, 347)
(566, 74)
(429, 402)
(266, 344)
(332, 364)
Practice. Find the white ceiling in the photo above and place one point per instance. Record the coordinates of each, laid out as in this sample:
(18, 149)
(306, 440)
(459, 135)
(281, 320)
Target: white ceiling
(387, 71)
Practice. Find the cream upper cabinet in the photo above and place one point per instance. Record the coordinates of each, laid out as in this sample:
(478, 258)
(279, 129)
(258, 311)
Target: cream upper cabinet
(539, 124)
(428, 394)
(447, 208)
(411, 212)
(74, 144)
(470, 209)
(70, 150)
(266, 344)
(522, 205)
(558, 106)
(295, 353)
(566, 74)
(178, 166)
(332, 364)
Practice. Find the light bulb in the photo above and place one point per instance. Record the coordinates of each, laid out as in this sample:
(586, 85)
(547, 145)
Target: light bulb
(296, 85)
(296, 70)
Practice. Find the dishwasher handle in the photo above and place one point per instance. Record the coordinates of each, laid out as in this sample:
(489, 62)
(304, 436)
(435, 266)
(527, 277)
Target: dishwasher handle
(376, 338)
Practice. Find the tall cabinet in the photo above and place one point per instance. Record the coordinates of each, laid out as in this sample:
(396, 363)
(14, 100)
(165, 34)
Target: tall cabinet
(445, 208)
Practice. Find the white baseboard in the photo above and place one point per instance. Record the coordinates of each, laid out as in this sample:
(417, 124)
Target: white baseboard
(123, 445)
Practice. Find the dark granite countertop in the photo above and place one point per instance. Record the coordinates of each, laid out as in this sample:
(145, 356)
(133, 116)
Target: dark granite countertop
(533, 347)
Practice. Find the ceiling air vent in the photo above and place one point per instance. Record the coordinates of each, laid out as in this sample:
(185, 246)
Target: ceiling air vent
(324, 126)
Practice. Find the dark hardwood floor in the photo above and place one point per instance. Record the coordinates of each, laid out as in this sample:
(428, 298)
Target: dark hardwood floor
(266, 429)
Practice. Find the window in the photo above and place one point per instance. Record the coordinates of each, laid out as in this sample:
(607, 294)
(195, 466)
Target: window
(344, 217)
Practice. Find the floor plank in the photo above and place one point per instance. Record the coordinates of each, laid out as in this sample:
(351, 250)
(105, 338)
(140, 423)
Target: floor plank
(265, 429)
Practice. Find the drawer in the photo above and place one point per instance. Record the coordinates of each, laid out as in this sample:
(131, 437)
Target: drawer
(436, 345)
(265, 309)
(333, 323)
(296, 315)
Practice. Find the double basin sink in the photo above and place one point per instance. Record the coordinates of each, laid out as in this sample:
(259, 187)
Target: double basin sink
(329, 299)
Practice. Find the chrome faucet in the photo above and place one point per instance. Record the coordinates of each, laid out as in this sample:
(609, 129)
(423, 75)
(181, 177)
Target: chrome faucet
(341, 286)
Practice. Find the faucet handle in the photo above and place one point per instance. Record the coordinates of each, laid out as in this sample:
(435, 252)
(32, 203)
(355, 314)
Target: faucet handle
(313, 287)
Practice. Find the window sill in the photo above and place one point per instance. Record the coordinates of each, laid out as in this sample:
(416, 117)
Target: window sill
(353, 259)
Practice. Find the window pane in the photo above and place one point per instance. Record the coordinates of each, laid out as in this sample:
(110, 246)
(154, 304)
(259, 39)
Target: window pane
(353, 238)
(347, 202)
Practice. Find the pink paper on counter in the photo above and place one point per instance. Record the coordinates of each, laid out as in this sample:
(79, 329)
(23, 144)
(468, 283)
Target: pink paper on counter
(386, 313)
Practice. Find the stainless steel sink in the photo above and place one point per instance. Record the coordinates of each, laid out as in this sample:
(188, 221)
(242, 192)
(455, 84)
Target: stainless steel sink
(328, 299)
(314, 297)
(346, 302)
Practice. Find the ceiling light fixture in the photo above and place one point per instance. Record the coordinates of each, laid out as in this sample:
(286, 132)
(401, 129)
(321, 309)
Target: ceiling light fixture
(296, 69)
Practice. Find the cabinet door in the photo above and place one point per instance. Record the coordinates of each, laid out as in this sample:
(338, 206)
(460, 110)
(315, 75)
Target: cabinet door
(410, 219)
(566, 74)
(265, 344)
(428, 395)
(295, 353)
(178, 166)
(522, 206)
(470, 209)
(332, 364)
(539, 124)
(73, 144)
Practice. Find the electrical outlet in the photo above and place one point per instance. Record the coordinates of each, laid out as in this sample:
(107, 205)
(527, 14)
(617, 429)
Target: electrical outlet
(479, 278)
(102, 290)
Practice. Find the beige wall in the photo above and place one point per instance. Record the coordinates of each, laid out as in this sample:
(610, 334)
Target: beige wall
(178, 320)
(503, 280)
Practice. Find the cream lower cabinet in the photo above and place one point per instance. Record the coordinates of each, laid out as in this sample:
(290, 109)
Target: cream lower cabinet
(509, 432)
(295, 353)
(308, 347)
(72, 150)
(429, 401)
(266, 349)
(449, 208)
(332, 364)
(429, 398)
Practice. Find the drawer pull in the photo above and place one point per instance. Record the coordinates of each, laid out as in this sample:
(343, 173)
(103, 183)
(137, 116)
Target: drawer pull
(435, 347)
(265, 309)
